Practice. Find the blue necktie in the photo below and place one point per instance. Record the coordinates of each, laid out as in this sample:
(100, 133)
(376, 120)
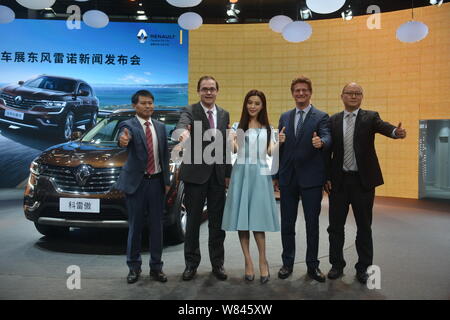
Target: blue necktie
(299, 123)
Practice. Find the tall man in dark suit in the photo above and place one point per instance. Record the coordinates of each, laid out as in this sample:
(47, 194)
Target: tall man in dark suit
(204, 180)
(144, 179)
(304, 135)
(354, 173)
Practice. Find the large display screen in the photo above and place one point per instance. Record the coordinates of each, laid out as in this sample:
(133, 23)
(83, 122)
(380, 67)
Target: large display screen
(44, 64)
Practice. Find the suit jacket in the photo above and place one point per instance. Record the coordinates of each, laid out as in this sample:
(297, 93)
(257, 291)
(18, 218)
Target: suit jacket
(367, 124)
(200, 173)
(298, 158)
(134, 169)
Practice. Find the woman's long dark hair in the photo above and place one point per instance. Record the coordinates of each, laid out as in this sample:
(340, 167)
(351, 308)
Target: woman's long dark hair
(262, 117)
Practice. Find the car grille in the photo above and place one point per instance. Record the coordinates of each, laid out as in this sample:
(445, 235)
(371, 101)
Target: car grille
(25, 104)
(100, 181)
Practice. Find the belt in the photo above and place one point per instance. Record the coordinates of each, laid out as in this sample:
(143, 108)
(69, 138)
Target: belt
(152, 176)
(350, 173)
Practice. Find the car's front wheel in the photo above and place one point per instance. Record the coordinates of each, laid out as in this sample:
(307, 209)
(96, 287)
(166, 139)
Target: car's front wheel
(67, 126)
(92, 121)
(51, 231)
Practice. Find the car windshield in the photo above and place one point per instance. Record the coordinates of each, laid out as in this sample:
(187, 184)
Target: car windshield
(106, 131)
(51, 83)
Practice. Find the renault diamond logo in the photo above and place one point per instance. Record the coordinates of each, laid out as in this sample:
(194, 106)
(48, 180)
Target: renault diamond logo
(82, 174)
(18, 99)
(142, 36)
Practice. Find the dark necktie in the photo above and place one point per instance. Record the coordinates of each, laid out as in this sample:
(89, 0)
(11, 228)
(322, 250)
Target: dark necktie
(211, 119)
(150, 155)
(299, 124)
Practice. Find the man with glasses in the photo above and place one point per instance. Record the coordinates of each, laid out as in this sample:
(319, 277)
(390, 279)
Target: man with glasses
(354, 173)
(204, 181)
(304, 135)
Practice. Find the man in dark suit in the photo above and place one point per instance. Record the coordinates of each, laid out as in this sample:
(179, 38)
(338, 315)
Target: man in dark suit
(354, 173)
(202, 179)
(144, 179)
(304, 135)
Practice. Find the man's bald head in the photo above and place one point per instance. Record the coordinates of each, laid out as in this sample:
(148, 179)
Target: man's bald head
(352, 95)
(352, 85)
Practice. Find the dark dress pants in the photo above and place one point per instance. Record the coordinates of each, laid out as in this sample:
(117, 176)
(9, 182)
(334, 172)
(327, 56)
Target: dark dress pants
(146, 206)
(195, 196)
(351, 193)
(311, 202)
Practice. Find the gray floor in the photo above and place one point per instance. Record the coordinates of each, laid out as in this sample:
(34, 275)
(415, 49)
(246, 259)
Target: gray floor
(411, 239)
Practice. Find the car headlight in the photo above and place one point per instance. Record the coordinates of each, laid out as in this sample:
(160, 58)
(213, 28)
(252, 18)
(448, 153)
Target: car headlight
(35, 168)
(55, 104)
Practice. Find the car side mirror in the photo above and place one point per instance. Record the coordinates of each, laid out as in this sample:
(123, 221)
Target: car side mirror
(76, 135)
(20, 82)
(83, 93)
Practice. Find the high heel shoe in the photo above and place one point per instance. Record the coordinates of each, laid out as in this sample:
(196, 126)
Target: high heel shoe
(265, 279)
(249, 277)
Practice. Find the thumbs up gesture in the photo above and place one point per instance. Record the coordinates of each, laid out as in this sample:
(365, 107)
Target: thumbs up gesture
(125, 138)
(316, 141)
(400, 132)
(232, 136)
(186, 134)
(282, 135)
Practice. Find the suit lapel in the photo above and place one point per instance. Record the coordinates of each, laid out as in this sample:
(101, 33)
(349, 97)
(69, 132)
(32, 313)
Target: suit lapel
(199, 114)
(292, 124)
(340, 130)
(360, 118)
(220, 117)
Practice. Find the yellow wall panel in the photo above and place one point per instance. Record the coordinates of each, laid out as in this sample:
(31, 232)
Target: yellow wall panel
(402, 81)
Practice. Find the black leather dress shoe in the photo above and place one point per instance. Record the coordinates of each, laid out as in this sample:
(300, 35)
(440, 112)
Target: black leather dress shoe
(219, 273)
(362, 277)
(284, 272)
(189, 274)
(158, 276)
(335, 273)
(316, 274)
(133, 276)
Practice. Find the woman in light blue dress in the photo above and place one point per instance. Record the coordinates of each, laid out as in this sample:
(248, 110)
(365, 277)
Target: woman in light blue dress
(250, 204)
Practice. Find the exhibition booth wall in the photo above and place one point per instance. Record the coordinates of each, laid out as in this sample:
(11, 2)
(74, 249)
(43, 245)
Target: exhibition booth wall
(404, 82)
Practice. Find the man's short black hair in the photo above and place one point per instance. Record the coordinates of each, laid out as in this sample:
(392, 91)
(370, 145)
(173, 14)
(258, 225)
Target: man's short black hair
(141, 93)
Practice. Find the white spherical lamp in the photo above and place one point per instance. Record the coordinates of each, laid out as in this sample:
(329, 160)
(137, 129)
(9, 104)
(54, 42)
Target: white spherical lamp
(297, 31)
(277, 23)
(412, 31)
(190, 21)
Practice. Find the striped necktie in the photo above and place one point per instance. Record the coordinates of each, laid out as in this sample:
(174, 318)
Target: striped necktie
(348, 141)
(150, 155)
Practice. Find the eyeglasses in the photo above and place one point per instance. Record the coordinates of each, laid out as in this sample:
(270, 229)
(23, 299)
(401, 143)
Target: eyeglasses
(206, 90)
(358, 94)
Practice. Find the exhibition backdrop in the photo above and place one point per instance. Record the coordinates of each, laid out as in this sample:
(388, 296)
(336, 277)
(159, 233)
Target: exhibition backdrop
(112, 60)
(405, 82)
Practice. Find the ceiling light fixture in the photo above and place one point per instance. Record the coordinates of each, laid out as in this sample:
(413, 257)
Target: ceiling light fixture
(277, 23)
(184, 3)
(36, 4)
(347, 14)
(412, 31)
(6, 15)
(190, 21)
(305, 13)
(325, 6)
(436, 2)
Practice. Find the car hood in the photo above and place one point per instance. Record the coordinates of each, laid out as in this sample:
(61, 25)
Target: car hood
(74, 153)
(34, 93)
